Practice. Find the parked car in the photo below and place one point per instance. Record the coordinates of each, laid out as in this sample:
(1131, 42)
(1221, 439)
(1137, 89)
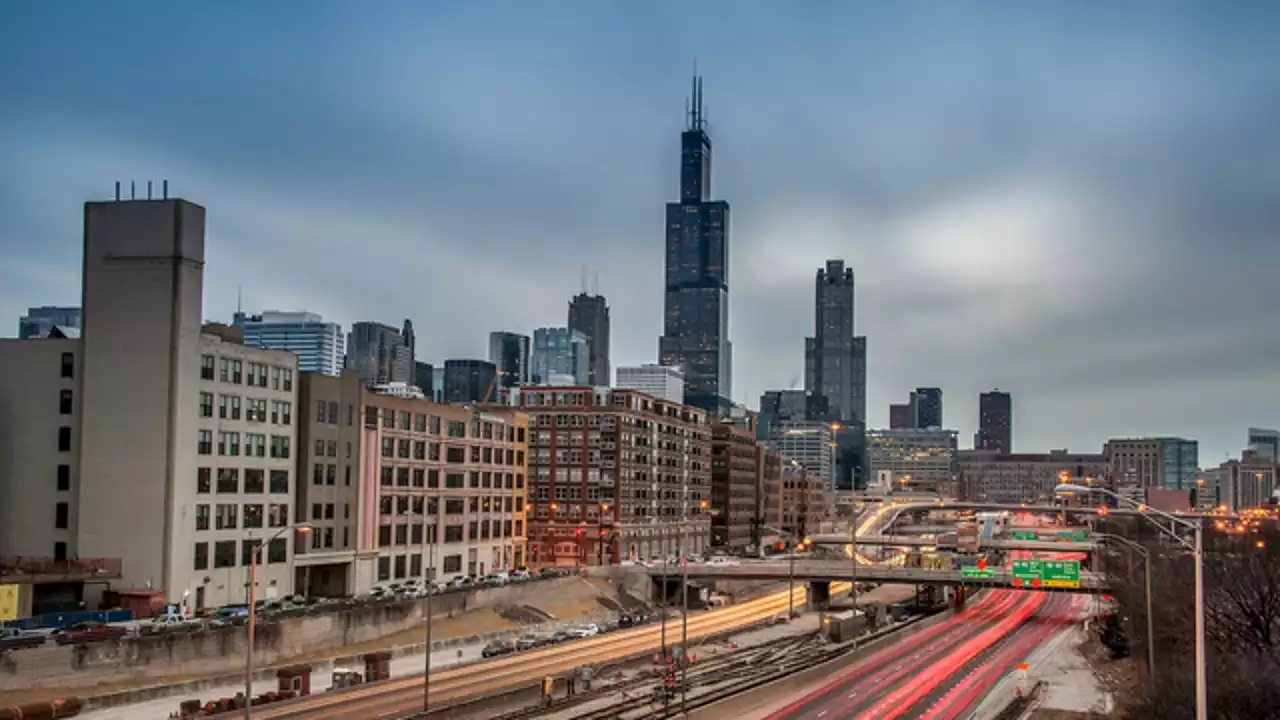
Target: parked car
(584, 631)
(498, 647)
(497, 579)
(172, 622)
(15, 639)
(528, 641)
(724, 561)
(561, 636)
(521, 576)
(83, 632)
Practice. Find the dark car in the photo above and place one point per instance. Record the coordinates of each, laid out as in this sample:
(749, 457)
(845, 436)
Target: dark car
(498, 647)
(83, 632)
(561, 636)
(14, 639)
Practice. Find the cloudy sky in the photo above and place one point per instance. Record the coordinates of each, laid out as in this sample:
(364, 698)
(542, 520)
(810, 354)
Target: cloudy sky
(1076, 202)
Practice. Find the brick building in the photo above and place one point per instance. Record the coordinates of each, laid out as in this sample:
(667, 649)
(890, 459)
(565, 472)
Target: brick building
(614, 474)
(803, 500)
(734, 478)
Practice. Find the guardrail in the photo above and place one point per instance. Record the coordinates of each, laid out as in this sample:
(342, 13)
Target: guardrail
(840, 570)
(29, 569)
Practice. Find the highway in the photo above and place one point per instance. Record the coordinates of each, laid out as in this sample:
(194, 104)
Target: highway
(942, 671)
(398, 697)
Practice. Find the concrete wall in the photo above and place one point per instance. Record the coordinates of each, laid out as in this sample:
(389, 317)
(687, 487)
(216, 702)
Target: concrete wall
(222, 651)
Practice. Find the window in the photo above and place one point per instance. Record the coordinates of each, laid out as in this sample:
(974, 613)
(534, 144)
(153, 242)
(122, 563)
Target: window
(388, 447)
(402, 449)
(402, 534)
(224, 369)
(317, 474)
(225, 516)
(68, 365)
(419, 423)
(333, 413)
(281, 412)
(202, 516)
(228, 480)
(400, 562)
(262, 376)
(387, 476)
(247, 549)
(433, 478)
(453, 506)
(224, 554)
(332, 448)
(328, 511)
(237, 371)
(384, 568)
(331, 475)
(60, 515)
(406, 420)
(64, 402)
(453, 480)
(253, 481)
(402, 477)
(279, 481)
(277, 551)
(455, 455)
(229, 443)
(206, 367)
(257, 411)
(201, 559)
(64, 439)
(457, 428)
(64, 478)
(255, 445)
(419, 450)
(257, 375)
(253, 516)
(286, 380)
(434, 421)
(278, 515)
(204, 480)
(280, 446)
(206, 405)
(384, 536)
(453, 563)
(224, 407)
(389, 419)
(415, 563)
(417, 477)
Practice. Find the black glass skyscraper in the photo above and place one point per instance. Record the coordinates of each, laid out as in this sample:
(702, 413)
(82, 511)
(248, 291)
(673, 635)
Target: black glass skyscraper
(696, 318)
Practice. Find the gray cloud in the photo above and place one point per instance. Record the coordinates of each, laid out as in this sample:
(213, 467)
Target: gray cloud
(1078, 205)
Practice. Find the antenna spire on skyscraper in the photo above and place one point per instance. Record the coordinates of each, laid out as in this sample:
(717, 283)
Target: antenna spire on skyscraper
(696, 117)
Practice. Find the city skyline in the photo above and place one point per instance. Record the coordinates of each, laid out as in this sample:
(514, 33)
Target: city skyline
(1033, 200)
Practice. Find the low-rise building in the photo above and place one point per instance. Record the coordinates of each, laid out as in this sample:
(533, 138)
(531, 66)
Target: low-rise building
(615, 474)
(804, 500)
(913, 459)
(661, 381)
(808, 442)
(991, 476)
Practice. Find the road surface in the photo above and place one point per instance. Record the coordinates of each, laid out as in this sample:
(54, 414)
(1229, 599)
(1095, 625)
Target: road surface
(942, 671)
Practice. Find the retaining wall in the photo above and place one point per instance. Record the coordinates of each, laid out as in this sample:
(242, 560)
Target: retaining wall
(222, 651)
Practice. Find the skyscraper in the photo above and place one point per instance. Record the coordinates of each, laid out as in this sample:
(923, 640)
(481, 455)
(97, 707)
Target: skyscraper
(380, 353)
(995, 422)
(319, 345)
(509, 353)
(469, 381)
(559, 356)
(589, 315)
(696, 314)
(835, 361)
(928, 403)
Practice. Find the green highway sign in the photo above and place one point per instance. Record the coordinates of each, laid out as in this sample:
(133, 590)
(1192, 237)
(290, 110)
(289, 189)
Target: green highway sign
(1046, 573)
(975, 572)
(1024, 535)
(1077, 535)
(1061, 574)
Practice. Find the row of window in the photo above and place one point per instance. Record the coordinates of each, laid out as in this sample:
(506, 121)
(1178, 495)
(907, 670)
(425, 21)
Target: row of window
(224, 553)
(421, 450)
(225, 516)
(411, 566)
(406, 505)
(430, 478)
(255, 445)
(432, 424)
(229, 480)
(232, 370)
(255, 409)
(402, 535)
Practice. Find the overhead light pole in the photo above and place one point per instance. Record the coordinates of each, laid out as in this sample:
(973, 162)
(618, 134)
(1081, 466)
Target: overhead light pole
(1146, 563)
(301, 528)
(1196, 546)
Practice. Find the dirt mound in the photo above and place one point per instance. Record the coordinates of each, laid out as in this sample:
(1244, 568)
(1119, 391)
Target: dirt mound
(523, 614)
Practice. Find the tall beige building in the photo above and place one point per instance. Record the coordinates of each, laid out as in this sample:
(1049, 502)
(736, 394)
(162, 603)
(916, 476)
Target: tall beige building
(176, 455)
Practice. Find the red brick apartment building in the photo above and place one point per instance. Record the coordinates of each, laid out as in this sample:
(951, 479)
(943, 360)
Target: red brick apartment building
(615, 474)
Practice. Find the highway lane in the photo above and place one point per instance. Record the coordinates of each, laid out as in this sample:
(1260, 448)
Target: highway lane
(871, 679)
(961, 693)
(398, 697)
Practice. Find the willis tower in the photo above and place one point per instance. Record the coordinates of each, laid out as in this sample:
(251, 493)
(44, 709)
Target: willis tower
(696, 313)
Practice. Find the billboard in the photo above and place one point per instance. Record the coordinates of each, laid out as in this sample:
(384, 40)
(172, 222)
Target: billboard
(8, 602)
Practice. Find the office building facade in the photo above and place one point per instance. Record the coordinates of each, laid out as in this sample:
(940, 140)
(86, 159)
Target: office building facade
(928, 407)
(40, 321)
(916, 459)
(1164, 462)
(509, 353)
(380, 353)
(589, 315)
(559, 351)
(695, 333)
(995, 422)
(615, 474)
(992, 476)
(808, 442)
(319, 345)
(469, 381)
(660, 381)
(735, 476)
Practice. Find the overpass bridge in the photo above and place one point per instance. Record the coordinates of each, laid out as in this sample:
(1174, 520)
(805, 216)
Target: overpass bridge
(914, 506)
(910, 541)
(822, 571)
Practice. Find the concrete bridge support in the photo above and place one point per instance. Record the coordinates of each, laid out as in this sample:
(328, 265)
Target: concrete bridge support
(819, 595)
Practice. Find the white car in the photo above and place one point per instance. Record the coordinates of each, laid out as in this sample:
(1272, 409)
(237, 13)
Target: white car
(584, 631)
(723, 561)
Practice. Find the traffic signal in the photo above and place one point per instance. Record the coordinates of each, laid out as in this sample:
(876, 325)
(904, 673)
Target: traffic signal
(579, 532)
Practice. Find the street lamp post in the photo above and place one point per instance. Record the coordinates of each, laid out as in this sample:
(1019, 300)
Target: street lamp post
(684, 617)
(1197, 549)
(1146, 563)
(429, 572)
(302, 528)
